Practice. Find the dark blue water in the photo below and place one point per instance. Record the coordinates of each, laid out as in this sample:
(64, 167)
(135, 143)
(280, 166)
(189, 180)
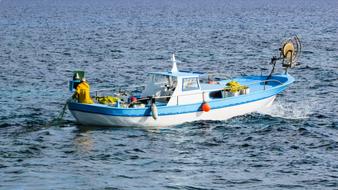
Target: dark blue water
(294, 145)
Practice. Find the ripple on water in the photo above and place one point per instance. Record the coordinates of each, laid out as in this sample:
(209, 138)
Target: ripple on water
(292, 145)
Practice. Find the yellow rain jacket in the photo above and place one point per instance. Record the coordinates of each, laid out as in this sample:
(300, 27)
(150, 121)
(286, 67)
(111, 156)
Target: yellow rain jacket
(82, 93)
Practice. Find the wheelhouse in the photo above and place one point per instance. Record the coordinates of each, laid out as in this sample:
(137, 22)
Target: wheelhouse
(174, 88)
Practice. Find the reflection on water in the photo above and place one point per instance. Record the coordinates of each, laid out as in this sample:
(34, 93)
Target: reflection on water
(83, 142)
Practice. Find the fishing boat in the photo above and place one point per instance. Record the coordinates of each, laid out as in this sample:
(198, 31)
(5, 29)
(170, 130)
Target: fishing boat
(175, 97)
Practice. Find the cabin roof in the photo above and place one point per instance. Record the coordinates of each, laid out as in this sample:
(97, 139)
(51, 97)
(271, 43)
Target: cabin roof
(211, 87)
(177, 74)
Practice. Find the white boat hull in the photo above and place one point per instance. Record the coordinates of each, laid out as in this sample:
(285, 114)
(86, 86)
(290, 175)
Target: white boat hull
(87, 118)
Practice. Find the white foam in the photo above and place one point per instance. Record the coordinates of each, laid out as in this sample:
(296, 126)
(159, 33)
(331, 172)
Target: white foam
(288, 110)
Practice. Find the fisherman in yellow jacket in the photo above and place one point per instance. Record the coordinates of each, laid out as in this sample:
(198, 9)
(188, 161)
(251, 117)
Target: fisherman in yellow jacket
(82, 93)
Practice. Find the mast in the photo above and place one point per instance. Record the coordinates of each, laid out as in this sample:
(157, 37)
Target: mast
(174, 69)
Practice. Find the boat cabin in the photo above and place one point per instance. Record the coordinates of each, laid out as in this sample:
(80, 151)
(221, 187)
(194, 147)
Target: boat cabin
(179, 88)
(174, 88)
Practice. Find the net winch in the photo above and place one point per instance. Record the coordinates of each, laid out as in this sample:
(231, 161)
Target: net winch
(290, 51)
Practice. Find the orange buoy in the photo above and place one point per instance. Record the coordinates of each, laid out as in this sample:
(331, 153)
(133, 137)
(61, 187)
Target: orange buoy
(206, 107)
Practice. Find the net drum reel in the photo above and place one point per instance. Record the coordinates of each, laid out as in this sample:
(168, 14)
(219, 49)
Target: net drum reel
(289, 53)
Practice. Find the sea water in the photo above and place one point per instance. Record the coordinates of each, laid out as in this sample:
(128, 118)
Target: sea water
(293, 145)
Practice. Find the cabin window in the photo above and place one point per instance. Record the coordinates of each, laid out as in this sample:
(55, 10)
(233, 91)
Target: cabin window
(168, 81)
(190, 84)
(159, 79)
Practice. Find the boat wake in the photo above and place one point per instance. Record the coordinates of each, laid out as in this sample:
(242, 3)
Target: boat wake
(288, 110)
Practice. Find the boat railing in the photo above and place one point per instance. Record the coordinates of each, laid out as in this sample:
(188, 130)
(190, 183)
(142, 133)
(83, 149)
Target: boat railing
(217, 89)
(119, 88)
(203, 93)
(265, 82)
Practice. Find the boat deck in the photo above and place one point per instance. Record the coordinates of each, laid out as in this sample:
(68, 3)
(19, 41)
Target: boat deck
(255, 83)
